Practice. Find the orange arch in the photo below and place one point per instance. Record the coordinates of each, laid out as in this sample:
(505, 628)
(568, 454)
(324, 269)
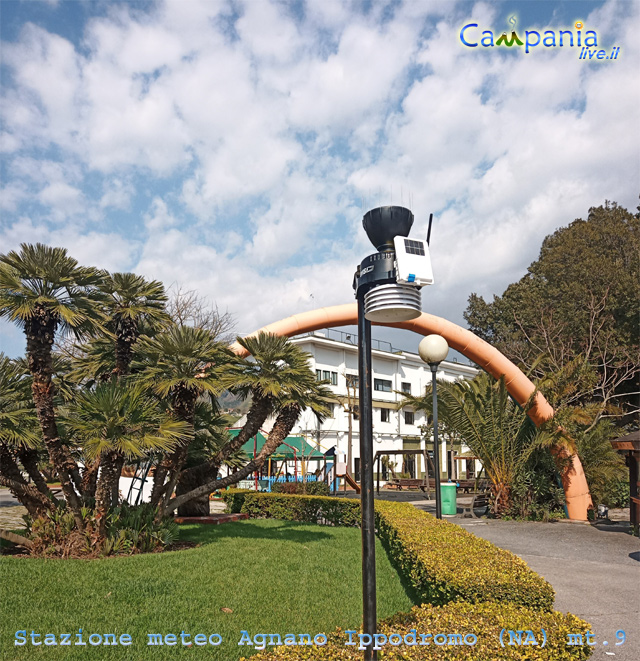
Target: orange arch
(470, 345)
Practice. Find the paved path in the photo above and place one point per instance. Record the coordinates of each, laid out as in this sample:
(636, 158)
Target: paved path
(595, 571)
(10, 511)
(6, 499)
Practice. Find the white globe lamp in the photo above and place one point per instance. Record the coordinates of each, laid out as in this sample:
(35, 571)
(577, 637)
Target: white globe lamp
(433, 349)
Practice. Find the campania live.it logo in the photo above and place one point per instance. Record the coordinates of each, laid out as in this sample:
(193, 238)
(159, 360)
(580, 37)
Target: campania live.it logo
(471, 36)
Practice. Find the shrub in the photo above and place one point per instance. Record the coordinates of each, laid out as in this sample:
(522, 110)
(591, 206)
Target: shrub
(616, 493)
(537, 494)
(309, 509)
(444, 562)
(128, 529)
(485, 621)
(302, 488)
(234, 499)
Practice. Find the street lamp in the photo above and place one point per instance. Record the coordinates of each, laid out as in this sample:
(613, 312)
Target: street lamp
(433, 349)
(387, 286)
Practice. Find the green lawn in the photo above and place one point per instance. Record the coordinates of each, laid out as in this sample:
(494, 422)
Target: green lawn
(276, 576)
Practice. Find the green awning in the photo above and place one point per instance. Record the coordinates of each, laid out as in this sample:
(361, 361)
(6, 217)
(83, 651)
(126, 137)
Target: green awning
(282, 451)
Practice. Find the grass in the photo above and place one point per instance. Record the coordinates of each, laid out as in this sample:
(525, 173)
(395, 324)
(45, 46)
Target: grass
(276, 576)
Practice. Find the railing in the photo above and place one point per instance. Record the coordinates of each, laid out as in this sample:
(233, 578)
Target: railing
(348, 338)
(265, 483)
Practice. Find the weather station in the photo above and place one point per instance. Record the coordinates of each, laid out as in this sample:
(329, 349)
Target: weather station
(388, 287)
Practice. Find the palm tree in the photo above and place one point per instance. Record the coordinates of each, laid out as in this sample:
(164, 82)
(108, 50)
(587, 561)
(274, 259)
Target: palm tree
(179, 365)
(211, 434)
(496, 429)
(287, 386)
(132, 303)
(20, 440)
(582, 428)
(44, 291)
(118, 419)
(276, 369)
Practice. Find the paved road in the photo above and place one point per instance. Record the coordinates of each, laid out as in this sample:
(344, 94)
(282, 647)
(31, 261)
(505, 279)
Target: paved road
(595, 571)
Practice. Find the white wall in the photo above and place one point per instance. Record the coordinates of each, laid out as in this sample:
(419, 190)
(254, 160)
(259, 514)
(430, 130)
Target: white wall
(341, 357)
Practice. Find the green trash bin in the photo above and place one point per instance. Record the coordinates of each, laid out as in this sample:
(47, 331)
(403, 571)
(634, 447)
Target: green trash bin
(448, 497)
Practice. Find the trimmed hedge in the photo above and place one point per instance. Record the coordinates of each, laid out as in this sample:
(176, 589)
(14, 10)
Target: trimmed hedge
(308, 509)
(234, 499)
(446, 563)
(442, 561)
(301, 488)
(485, 621)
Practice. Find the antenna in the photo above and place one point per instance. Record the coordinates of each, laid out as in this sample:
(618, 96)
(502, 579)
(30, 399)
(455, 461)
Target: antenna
(429, 230)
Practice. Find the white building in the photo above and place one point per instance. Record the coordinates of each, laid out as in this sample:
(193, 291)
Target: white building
(334, 357)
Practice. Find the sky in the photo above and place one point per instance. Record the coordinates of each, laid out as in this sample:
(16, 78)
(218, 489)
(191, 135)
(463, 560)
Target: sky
(232, 147)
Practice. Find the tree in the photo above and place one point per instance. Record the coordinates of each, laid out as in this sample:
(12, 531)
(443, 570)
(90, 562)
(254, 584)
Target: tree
(187, 308)
(20, 440)
(132, 304)
(45, 291)
(210, 435)
(179, 365)
(277, 370)
(580, 300)
(279, 379)
(580, 427)
(496, 429)
(350, 408)
(117, 419)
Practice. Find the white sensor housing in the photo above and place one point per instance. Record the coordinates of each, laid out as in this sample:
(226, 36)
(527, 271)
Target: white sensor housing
(413, 263)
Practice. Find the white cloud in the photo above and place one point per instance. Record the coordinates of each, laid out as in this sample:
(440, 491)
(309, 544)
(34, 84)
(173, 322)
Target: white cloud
(12, 195)
(256, 135)
(159, 217)
(117, 194)
(106, 250)
(63, 199)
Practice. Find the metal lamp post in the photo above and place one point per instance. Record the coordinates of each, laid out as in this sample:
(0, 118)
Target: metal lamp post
(433, 349)
(387, 286)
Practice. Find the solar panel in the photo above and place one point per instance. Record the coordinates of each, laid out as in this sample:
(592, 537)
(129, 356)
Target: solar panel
(414, 247)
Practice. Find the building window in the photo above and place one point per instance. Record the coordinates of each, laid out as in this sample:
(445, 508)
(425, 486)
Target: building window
(352, 381)
(406, 387)
(326, 375)
(408, 417)
(382, 385)
(332, 410)
(356, 412)
(384, 415)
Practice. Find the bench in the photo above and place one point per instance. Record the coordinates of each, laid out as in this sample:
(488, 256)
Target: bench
(472, 485)
(409, 483)
(480, 499)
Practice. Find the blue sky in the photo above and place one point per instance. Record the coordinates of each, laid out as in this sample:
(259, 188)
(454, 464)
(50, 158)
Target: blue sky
(232, 147)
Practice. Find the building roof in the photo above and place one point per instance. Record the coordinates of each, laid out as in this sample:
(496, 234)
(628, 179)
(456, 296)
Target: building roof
(336, 338)
(629, 442)
(283, 451)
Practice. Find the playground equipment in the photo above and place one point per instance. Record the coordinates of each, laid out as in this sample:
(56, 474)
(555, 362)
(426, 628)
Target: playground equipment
(480, 352)
(350, 481)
